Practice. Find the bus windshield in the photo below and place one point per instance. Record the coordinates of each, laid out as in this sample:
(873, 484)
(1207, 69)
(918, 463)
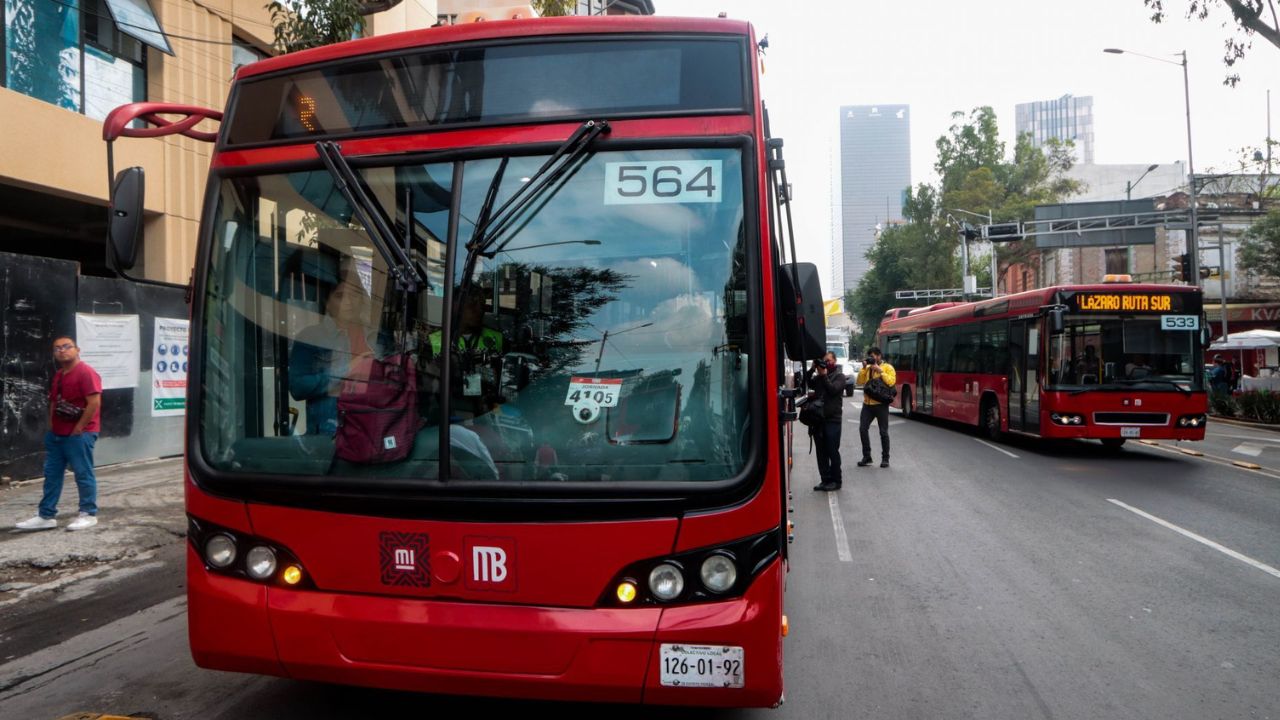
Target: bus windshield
(599, 335)
(1122, 352)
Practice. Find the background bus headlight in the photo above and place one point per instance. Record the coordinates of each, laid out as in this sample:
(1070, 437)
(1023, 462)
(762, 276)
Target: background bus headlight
(1192, 421)
(220, 551)
(719, 573)
(666, 582)
(260, 563)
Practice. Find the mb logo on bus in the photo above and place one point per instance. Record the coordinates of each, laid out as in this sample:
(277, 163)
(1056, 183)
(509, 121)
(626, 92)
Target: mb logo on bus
(492, 563)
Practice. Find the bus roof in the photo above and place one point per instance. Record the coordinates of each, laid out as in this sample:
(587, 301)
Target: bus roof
(496, 30)
(1017, 304)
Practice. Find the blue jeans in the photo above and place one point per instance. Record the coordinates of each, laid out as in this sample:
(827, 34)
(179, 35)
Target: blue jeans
(76, 451)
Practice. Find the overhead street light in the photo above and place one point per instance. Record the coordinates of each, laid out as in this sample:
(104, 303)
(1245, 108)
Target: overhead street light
(1193, 245)
(1129, 186)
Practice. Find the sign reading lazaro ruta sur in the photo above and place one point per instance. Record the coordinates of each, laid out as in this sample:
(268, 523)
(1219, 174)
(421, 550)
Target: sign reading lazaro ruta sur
(1127, 302)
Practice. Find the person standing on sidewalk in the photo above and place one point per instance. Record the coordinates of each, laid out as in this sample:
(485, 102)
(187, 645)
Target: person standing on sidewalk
(827, 382)
(875, 367)
(75, 403)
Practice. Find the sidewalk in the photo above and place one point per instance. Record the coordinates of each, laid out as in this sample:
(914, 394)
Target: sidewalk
(139, 509)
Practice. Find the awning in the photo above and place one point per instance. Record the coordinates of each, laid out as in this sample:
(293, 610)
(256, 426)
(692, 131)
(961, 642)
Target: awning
(1265, 312)
(136, 19)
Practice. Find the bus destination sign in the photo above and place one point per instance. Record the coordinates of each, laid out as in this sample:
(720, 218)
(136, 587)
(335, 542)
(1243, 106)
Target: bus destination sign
(1127, 302)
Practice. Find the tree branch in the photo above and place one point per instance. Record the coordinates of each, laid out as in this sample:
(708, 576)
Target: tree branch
(1251, 19)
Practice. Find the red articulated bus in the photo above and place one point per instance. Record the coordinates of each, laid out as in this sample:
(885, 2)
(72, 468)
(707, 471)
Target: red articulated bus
(1109, 361)
(488, 327)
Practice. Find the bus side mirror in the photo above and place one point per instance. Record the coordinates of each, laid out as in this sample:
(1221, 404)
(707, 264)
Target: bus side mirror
(803, 321)
(124, 226)
(1056, 323)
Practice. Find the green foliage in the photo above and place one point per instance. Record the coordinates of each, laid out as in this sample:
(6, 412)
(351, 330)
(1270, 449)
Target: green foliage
(1249, 18)
(975, 176)
(554, 8)
(1223, 404)
(1260, 249)
(302, 24)
(1259, 405)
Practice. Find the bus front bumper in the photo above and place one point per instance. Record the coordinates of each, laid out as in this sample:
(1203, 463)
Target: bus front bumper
(466, 648)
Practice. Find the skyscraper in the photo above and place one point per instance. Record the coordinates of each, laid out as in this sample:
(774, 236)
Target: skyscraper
(875, 173)
(1067, 118)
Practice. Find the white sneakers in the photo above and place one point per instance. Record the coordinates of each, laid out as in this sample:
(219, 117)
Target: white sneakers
(82, 522)
(37, 523)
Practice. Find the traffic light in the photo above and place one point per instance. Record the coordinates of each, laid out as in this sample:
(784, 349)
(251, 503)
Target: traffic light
(1184, 267)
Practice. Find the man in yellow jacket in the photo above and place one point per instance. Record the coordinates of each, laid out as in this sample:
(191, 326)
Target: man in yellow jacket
(875, 367)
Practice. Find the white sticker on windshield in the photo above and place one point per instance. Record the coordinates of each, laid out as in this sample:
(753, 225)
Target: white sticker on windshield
(670, 181)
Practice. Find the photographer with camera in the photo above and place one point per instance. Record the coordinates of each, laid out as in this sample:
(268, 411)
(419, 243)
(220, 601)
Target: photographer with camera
(826, 383)
(877, 379)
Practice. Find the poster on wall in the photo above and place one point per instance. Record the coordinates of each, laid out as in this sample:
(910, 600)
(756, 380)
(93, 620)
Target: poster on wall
(170, 354)
(110, 344)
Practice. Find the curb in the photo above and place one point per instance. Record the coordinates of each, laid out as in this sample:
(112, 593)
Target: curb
(1244, 423)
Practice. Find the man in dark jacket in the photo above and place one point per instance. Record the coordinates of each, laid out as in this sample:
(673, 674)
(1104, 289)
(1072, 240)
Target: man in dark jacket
(827, 382)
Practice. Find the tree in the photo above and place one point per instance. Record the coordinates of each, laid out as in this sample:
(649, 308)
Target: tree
(554, 8)
(1249, 18)
(302, 24)
(1260, 249)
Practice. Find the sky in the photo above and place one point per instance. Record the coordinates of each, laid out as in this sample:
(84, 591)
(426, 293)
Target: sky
(939, 56)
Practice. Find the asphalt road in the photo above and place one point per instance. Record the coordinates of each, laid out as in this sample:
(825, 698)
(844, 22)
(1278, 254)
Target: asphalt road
(1020, 580)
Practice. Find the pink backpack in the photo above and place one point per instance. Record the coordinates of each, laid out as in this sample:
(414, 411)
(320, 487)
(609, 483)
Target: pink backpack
(378, 411)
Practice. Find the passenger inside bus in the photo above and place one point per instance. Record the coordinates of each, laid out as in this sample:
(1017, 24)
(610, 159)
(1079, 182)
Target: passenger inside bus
(323, 354)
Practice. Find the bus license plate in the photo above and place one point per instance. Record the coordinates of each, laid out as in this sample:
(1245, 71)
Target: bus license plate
(717, 666)
(1129, 432)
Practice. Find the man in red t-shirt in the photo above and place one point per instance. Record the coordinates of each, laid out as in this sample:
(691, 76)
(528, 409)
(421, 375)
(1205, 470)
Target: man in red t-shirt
(75, 402)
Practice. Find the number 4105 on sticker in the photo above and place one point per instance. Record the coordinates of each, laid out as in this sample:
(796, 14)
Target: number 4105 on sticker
(671, 181)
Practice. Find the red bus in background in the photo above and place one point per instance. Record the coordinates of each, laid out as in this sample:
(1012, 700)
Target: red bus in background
(1109, 362)
(488, 323)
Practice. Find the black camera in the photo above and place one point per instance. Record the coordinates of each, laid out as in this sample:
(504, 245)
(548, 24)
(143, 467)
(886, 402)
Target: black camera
(870, 361)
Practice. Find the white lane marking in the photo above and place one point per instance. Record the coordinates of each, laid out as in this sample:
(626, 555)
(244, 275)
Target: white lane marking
(1247, 449)
(1248, 437)
(837, 521)
(993, 447)
(1224, 550)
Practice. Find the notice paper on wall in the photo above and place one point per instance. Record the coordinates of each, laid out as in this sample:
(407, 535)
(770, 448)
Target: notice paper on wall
(170, 354)
(110, 344)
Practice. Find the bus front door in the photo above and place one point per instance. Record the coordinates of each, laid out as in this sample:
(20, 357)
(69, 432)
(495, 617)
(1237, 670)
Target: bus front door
(1024, 384)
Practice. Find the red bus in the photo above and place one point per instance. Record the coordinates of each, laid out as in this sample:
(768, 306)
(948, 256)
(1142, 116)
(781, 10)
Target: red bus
(1110, 362)
(488, 323)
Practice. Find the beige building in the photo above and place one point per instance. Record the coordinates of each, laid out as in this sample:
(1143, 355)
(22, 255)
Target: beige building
(66, 63)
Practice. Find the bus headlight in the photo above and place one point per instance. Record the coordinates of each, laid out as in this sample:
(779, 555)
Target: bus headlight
(1067, 419)
(1192, 421)
(260, 563)
(220, 551)
(719, 573)
(666, 582)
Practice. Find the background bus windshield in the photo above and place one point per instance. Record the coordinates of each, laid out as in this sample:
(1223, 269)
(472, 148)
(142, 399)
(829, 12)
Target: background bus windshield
(1100, 350)
(600, 335)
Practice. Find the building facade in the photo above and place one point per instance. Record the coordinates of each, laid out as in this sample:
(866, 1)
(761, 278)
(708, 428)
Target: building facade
(1066, 118)
(874, 177)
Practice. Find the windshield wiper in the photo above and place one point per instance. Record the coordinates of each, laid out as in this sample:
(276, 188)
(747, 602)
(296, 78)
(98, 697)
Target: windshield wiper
(372, 216)
(489, 228)
(1125, 384)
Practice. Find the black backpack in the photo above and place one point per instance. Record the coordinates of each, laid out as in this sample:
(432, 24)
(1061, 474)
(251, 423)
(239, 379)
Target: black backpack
(878, 390)
(811, 413)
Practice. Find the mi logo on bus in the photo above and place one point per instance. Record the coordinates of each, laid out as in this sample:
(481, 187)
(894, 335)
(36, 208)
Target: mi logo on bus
(492, 563)
(403, 560)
